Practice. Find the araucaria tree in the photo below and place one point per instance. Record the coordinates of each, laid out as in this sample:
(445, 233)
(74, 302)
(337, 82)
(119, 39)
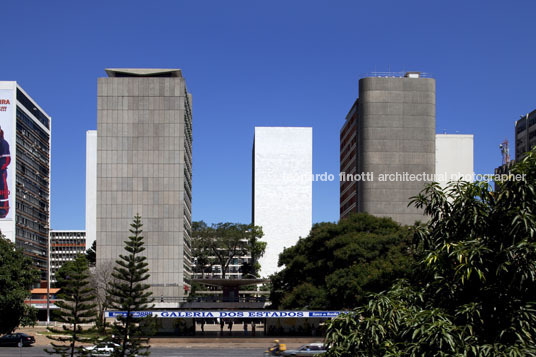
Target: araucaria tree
(474, 285)
(76, 307)
(128, 293)
(17, 277)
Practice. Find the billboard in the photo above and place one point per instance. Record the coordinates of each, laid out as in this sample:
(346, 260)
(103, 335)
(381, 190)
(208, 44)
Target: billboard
(7, 154)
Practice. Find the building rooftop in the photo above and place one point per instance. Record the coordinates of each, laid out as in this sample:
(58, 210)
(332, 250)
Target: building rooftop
(143, 72)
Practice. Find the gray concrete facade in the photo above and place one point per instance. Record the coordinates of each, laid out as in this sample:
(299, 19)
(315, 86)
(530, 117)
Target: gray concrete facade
(144, 166)
(396, 134)
(525, 134)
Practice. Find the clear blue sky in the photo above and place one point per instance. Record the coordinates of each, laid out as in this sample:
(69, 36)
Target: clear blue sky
(254, 63)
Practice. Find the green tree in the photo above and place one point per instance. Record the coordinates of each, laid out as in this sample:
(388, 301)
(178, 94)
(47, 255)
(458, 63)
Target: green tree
(76, 307)
(128, 293)
(473, 290)
(201, 250)
(91, 254)
(338, 264)
(17, 276)
(222, 242)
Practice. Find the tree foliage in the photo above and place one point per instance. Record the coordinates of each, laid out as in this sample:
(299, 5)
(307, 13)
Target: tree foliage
(100, 278)
(17, 276)
(473, 290)
(128, 293)
(91, 254)
(338, 264)
(76, 307)
(220, 243)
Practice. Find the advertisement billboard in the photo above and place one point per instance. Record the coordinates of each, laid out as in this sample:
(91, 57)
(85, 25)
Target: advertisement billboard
(7, 154)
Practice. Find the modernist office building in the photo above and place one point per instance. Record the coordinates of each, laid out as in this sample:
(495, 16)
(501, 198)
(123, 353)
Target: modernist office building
(525, 134)
(282, 188)
(25, 173)
(390, 129)
(144, 166)
(65, 246)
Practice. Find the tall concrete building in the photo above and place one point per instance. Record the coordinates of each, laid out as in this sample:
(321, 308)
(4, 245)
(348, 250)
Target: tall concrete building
(144, 166)
(282, 188)
(25, 132)
(525, 134)
(389, 131)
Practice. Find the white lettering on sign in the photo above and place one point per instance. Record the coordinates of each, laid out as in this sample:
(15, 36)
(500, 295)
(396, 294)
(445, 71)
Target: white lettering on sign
(259, 314)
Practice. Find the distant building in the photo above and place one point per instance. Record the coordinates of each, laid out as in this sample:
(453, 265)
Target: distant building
(348, 163)
(454, 158)
(234, 270)
(525, 134)
(65, 246)
(282, 188)
(144, 166)
(91, 187)
(25, 131)
(389, 133)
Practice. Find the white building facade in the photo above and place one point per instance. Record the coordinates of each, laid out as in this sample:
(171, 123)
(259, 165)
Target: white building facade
(91, 187)
(454, 158)
(282, 188)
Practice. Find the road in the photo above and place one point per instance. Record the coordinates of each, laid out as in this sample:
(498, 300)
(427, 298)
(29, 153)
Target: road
(37, 351)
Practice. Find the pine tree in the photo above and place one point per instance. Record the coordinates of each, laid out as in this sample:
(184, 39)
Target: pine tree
(128, 293)
(75, 301)
(91, 254)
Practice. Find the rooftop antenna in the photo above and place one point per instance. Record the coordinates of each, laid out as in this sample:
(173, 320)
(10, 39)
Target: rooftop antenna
(505, 152)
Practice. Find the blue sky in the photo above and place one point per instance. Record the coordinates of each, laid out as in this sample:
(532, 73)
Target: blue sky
(268, 63)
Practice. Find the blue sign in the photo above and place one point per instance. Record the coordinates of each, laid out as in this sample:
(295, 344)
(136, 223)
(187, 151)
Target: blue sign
(324, 313)
(257, 314)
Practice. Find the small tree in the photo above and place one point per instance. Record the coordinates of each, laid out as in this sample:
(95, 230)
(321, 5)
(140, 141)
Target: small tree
(75, 301)
(100, 279)
(17, 276)
(128, 293)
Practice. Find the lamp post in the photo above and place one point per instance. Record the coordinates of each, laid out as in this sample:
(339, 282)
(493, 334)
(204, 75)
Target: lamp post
(48, 280)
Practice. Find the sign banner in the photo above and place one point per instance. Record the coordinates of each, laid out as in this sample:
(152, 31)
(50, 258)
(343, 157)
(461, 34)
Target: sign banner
(7, 154)
(259, 314)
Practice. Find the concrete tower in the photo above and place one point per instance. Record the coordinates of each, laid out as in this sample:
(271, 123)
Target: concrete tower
(144, 166)
(392, 131)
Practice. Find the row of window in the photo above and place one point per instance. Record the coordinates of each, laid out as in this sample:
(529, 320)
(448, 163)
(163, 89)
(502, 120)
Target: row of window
(32, 108)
